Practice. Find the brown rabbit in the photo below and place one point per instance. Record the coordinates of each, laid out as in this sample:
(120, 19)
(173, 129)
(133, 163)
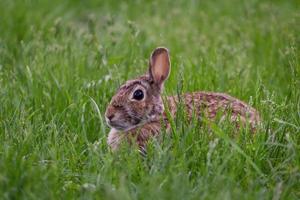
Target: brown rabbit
(137, 110)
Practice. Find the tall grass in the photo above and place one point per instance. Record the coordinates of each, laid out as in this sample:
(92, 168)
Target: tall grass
(60, 63)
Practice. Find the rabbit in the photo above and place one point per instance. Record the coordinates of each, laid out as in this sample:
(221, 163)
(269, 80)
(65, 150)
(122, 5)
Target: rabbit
(137, 109)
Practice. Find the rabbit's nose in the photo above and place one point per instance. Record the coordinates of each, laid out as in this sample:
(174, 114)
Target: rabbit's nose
(110, 116)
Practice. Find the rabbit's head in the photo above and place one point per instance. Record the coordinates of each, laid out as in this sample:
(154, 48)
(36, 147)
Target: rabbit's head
(139, 101)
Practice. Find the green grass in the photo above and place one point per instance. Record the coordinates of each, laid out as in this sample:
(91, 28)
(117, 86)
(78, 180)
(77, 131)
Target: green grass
(61, 62)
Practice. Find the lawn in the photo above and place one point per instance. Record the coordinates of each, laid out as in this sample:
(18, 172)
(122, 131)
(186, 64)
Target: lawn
(61, 62)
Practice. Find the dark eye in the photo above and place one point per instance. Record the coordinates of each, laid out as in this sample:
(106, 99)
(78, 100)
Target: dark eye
(138, 95)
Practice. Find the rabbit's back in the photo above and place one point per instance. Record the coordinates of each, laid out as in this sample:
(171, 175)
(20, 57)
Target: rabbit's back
(211, 104)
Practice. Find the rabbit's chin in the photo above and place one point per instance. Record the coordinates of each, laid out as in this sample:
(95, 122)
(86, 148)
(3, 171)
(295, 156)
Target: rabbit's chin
(124, 126)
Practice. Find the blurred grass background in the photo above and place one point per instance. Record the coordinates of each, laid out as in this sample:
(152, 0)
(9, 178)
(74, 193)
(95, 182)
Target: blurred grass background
(61, 61)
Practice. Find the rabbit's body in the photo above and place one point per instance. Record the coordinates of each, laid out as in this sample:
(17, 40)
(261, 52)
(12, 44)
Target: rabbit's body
(211, 104)
(206, 105)
(137, 110)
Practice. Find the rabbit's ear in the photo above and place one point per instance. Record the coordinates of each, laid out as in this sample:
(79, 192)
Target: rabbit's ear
(159, 65)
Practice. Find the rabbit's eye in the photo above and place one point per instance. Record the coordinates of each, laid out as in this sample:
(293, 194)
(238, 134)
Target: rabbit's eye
(138, 95)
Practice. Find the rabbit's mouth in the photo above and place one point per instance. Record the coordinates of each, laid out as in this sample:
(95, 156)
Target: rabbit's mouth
(124, 126)
(119, 126)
